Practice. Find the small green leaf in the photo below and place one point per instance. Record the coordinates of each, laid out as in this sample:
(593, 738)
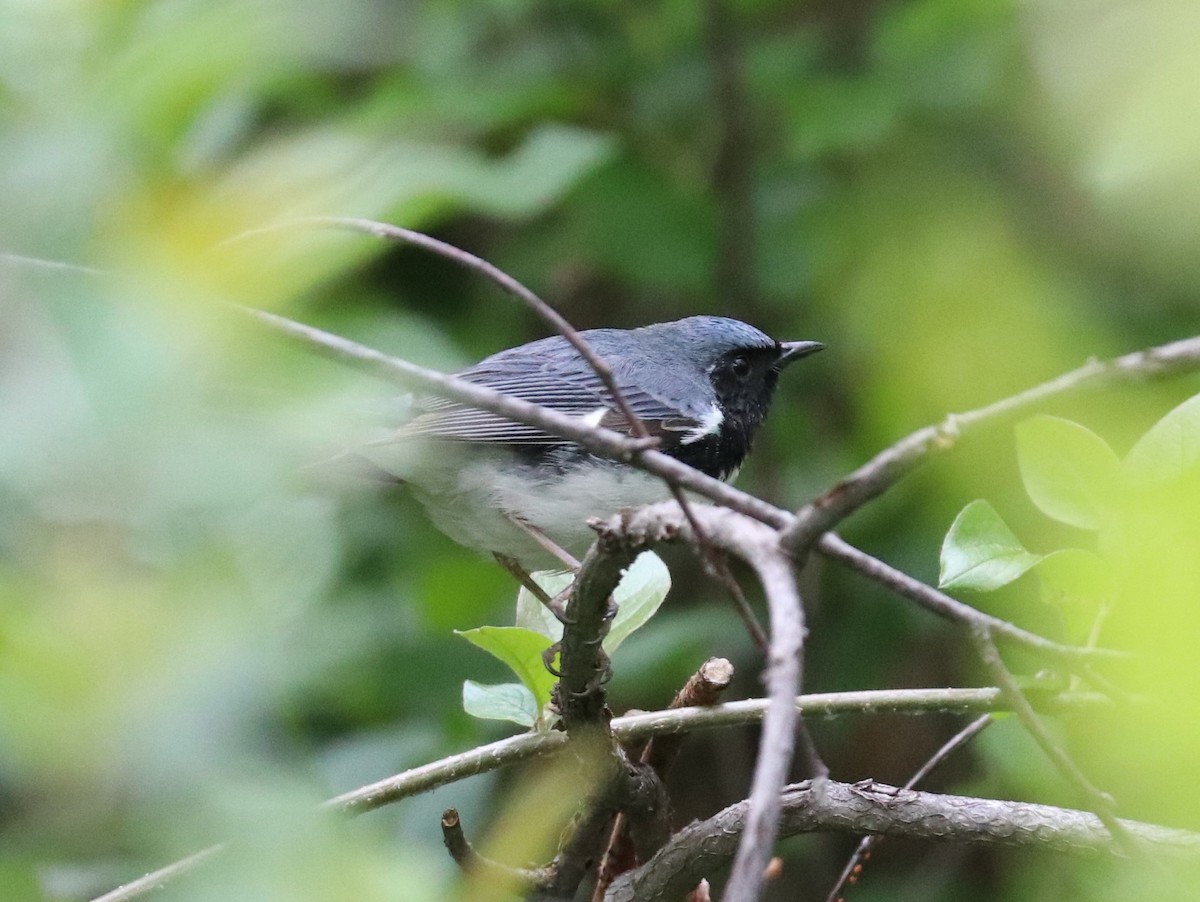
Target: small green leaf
(1168, 450)
(642, 591)
(980, 553)
(1068, 470)
(505, 701)
(521, 650)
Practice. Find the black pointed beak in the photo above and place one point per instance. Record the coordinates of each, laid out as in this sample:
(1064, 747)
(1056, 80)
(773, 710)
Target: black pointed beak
(791, 351)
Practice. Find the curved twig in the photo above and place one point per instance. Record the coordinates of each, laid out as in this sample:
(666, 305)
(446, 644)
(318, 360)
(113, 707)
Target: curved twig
(619, 784)
(489, 271)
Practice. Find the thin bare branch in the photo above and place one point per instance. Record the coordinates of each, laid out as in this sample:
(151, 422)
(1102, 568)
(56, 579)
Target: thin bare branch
(635, 452)
(1099, 802)
(493, 274)
(504, 878)
(610, 444)
(889, 466)
(716, 568)
(776, 746)
(157, 879)
(634, 728)
(21, 260)
(603, 441)
(1071, 656)
(518, 290)
(646, 724)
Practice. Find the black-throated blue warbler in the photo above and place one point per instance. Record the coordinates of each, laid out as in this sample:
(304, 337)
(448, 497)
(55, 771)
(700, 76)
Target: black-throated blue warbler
(702, 385)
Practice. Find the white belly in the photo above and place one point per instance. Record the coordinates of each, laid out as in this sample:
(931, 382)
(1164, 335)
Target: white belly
(472, 505)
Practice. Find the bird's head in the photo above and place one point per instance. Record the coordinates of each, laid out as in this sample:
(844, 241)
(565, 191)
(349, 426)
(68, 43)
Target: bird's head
(741, 362)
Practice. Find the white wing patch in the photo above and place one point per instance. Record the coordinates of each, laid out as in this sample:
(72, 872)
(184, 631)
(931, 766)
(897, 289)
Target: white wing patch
(593, 418)
(710, 424)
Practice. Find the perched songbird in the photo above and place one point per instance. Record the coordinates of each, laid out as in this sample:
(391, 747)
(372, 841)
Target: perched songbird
(702, 385)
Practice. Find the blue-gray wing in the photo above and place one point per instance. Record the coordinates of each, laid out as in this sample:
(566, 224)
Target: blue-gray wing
(562, 383)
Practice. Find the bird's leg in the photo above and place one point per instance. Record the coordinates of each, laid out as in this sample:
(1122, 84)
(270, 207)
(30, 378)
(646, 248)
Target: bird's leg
(556, 605)
(603, 665)
(547, 544)
(548, 659)
(521, 575)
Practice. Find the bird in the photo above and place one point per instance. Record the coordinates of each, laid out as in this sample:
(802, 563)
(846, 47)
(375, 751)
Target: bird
(701, 385)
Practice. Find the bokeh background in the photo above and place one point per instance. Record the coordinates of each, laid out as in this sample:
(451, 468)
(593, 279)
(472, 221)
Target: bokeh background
(200, 637)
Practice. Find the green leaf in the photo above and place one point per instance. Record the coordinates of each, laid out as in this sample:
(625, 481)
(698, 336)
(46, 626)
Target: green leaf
(980, 553)
(642, 591)
(521, 650)
(1068, 470)
(505, 701)
(1170, 449)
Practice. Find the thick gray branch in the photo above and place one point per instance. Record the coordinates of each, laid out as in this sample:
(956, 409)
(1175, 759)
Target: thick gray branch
(584, 666)
(704, 847)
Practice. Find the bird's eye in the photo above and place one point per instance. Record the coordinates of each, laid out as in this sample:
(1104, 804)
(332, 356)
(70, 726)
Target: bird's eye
(740, 367)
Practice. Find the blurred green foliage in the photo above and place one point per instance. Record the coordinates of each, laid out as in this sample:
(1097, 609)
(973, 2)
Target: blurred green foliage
(199, 638)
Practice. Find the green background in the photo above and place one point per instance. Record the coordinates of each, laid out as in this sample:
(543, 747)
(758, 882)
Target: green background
(201, 637)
